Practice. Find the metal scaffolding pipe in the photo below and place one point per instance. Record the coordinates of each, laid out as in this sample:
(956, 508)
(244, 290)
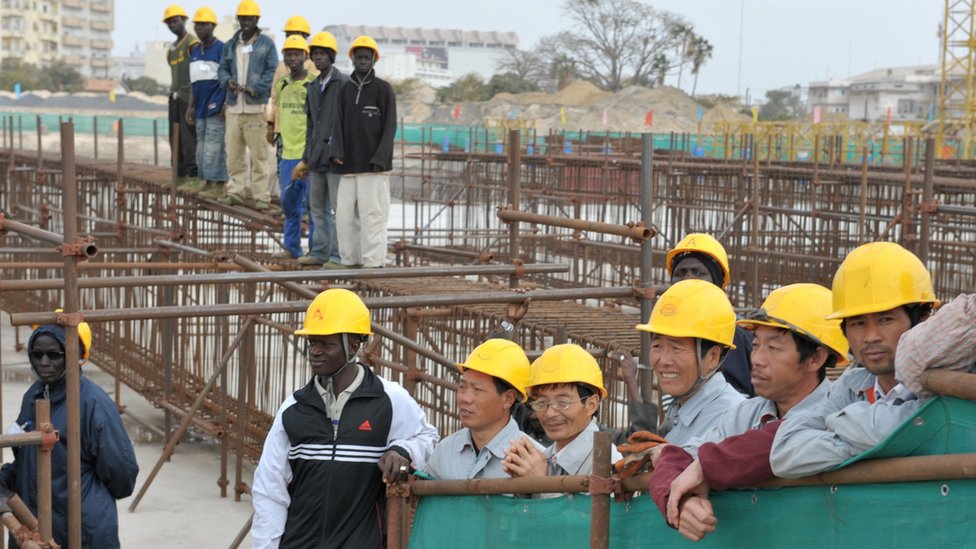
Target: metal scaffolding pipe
(89, 249)
(284, 276)
(635, 233)
(389, 302)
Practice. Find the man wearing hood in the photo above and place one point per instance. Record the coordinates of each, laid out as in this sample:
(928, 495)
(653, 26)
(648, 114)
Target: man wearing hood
(108, 462)
(362, 148)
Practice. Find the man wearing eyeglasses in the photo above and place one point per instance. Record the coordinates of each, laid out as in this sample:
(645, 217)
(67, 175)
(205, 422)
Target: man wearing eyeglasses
(110, 462)
(493, 380)
(566, 388)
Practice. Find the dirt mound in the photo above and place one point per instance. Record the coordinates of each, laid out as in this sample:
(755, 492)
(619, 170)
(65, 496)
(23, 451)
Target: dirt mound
(725, 112)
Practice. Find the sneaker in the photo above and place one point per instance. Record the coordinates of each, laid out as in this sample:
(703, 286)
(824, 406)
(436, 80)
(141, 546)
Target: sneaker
(233, 200)
(191, 185)
(332, 265)
(283, 255)
(214, 191)
(310, 260)
(261, 205)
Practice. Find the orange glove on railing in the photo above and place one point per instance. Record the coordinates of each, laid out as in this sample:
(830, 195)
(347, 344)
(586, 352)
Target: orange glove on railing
(637, 453)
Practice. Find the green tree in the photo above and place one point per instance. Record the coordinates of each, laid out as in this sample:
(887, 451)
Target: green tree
(701, 51)
(13, 71)
(509, 82)
(146, 85)
(405, 87)
(59, 76)
(470, 87)
(782, 104)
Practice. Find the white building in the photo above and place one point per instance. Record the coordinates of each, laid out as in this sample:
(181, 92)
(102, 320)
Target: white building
(910, 92)
(435, 56)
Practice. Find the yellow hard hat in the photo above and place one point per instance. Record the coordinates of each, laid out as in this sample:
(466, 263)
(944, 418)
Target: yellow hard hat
(205, 15)
(503, 359)
(704, 244)
(878, 277)
(365, 42)
(295, 42)
(324, 39)
(693, 308)
(801, 308)
(174, 10)
(567, 363)
(336, 311)
(297, 23)
(248, 8)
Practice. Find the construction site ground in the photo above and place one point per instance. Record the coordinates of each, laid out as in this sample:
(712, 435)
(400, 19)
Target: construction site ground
(183, 508)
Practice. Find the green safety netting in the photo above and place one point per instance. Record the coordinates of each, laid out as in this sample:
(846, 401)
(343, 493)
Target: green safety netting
(908, 514)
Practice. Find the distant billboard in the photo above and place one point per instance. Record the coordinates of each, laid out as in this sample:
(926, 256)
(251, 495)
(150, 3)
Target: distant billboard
(430, 56)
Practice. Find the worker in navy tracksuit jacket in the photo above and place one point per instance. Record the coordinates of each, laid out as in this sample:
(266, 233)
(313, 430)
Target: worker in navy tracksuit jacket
(108, 462)
(335, 442)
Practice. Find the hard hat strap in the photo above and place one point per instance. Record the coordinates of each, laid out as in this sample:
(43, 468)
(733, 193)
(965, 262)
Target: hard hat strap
(701, 379)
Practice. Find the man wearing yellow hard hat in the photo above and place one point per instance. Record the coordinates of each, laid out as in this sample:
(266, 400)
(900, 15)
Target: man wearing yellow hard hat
(323, 177)
(793, 345)
(361, 148)
(207, 104)
(493, 380)
(246, 72)
(337, 441)
(293, 125)
(566, 389)
(692, 327)
(110, 467)
(296, 25)
(880, 292)
(178, 57)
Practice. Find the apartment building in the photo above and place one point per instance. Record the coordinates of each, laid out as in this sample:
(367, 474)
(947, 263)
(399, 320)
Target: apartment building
(78, 32)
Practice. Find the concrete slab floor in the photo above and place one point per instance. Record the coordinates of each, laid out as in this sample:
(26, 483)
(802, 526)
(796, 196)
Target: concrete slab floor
(183, 507)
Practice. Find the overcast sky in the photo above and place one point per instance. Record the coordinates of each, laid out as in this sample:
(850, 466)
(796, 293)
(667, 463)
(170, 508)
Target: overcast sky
(784, 42)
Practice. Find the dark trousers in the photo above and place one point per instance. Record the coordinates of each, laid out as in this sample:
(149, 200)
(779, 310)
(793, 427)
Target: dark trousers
(187, 159)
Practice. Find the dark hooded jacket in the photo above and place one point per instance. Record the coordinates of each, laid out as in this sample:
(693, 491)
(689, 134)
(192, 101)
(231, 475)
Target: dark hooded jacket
(108, 461)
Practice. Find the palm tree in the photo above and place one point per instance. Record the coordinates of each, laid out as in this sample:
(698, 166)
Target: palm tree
(701, 51)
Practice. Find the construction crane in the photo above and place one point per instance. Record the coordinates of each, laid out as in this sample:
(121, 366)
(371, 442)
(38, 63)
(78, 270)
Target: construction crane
(957, 93)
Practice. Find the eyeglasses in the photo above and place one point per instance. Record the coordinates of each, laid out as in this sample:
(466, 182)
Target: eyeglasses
(557, 405)
(51, 355)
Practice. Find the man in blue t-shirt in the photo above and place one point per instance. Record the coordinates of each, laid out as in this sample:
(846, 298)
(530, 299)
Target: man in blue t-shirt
(207, 98)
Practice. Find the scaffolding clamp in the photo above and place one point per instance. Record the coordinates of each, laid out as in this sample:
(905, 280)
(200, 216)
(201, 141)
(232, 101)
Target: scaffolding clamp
(503, 208)
(930, 207)
(644, 293)
(69, 319)
(603, 486)
(49, 436)
(519, 268)
(81, 247)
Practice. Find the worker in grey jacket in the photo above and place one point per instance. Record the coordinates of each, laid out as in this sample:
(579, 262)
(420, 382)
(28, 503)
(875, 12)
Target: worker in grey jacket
(880, 291)
(793, 345)
(692, 327)
(322, 108)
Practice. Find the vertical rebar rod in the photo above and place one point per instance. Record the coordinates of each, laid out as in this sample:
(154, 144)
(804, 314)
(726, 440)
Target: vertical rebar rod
(42, 415)
(155, 142)
(95, 136)
(71, 307)
(927, 192)
(754, 230)
(862, 230)
(600, 503)
(646, 255)
(514, 176)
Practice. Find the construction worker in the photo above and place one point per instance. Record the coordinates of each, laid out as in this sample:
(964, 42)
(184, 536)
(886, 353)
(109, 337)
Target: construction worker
(793, 345)
(700, 256)
(246, 72)
(290, 106)
(207, 101)
(335, 442)
(566, 388)
(178, 57)
(323, 179)
(362, 148)
(880, 292)
(493, 381)
(109, 467)
(692, 327)
(294, 26)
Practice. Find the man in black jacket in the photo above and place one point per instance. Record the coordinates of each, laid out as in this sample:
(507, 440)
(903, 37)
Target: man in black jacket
(362, 148)
(322, 106)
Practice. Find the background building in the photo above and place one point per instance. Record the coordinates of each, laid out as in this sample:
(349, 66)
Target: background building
(78, 32)
(435, 56)
(911, 92)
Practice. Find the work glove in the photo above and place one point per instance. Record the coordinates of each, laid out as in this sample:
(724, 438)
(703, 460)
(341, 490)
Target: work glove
(637, 453)
(271, 133)
(300, 171)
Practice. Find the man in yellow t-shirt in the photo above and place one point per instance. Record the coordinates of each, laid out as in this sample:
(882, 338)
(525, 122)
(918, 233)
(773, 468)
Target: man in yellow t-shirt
(292, 124)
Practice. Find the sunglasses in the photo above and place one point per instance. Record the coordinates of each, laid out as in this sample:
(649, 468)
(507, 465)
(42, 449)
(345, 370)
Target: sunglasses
(51, 355)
